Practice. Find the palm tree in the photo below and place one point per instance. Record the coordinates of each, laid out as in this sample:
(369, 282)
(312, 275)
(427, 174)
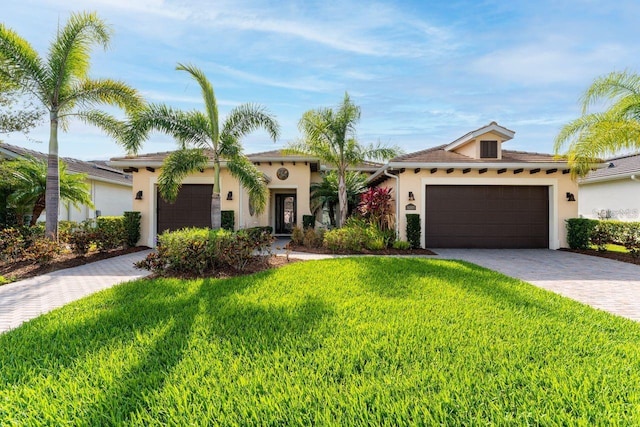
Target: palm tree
(324, 194)
(200, 133)
(330, 135)
(28, 186)
(598, 134)
(60, 83)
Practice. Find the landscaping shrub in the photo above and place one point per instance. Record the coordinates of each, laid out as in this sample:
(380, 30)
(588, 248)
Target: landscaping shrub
(110, 233)
(579, 232)
(81, 237)
(228, 221)
(132, 227)
(42, 250)
(4, 280)
(413, 230)
(402, 245)
(308, 221)
(11, 245)
(297, 236)
(631, 238)
(237, 249)
(64, 230)
(313, 238)
(355, 236)
(375, 207)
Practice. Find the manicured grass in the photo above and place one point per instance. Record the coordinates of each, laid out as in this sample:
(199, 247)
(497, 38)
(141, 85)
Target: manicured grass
(613, 248)
(360, 341)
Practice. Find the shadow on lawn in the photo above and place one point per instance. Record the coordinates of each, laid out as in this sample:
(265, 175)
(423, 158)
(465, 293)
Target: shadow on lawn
(155, 318)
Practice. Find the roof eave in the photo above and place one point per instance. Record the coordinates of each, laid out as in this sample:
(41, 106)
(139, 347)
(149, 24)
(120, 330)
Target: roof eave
(477, 165)
(493, 127)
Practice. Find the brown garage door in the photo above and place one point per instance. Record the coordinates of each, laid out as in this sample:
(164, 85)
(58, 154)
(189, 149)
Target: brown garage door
(492, 216)
(192, 208)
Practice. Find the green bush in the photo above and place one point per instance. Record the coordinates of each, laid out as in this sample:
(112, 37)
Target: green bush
(402, 245)
(308, 221)
(43, 251)
(11, 245)
(81, 237)
(64, 230)
(579, 231)
(355, 236)
(4, 280)
(228, 221)
(313, 238)
(297, 236)
(110, 233)
(132, 227)
(413, 230)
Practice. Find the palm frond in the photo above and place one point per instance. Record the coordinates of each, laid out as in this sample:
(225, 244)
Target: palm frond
(611, 86)
(246, 118)
(251, 179)
(20, 65)
(88, 93)
(208, 94)
(119, 130)
(189, 128)
(69, 54)
(176, 167)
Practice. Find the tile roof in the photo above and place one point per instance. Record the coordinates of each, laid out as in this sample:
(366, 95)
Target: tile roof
(439, 155)
(623, 165)
(94, 169)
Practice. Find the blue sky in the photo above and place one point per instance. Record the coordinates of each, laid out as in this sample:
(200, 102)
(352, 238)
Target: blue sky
(423, 72)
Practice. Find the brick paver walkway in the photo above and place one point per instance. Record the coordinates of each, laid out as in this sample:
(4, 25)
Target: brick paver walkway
(29, 298)
(609, 285)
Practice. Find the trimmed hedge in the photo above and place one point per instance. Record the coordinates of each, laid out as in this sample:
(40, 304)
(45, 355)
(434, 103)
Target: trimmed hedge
(583, 232)
(413, 230)
(110, 233)
(227, 220)
(132, 227)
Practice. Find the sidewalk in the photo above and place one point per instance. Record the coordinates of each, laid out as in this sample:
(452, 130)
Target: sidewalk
(26, 299)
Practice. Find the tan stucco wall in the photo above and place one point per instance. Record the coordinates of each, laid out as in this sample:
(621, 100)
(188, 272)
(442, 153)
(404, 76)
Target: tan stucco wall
(472, 149)
(559, 184)
(298, 182)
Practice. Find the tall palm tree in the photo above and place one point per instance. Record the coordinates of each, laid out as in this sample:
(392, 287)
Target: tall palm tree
(594, 135)
(330, 135)
(60, 83)
(28, 189)
(200, 133)
(325, 193)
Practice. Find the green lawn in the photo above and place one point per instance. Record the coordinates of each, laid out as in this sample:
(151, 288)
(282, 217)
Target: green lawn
(357, 341)
(613, 248)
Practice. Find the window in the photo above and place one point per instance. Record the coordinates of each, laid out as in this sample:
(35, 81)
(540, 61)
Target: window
(488, 149)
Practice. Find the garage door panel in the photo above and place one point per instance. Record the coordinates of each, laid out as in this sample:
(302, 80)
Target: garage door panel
(192, 208)
(487, 216)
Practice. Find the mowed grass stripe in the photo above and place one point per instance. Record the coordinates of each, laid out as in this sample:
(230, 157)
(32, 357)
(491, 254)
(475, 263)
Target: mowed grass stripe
(355, 341)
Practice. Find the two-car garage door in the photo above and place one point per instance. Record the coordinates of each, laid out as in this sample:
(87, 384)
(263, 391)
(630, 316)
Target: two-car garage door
(486, 216)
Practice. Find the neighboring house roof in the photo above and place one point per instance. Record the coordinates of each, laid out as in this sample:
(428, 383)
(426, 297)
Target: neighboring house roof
(615, 168)
(97, 170)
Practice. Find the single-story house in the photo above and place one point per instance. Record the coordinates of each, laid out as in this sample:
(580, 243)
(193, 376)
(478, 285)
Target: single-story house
(613, 191)
(110, 188)
(469, 193)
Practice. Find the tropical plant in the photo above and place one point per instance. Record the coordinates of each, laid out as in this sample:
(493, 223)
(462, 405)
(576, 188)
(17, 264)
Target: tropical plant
(14, 115)
(330, 135)
(60, 84)
(200, 135)
(29, 182)
(375, 207)
(598, 134)
(324, 194)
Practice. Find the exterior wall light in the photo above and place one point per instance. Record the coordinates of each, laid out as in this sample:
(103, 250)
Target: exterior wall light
(411, 197)
(139, 195)
(571, 197)
(230, 195)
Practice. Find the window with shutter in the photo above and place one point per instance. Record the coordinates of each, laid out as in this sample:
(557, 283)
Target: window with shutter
(488, 149)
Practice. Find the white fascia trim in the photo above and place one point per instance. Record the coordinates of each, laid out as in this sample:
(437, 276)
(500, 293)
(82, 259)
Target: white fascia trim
(282, 159)
(552, 183)
(506, 133)
(119, 164)
(527, 165)
(111, 181)
(622, 176)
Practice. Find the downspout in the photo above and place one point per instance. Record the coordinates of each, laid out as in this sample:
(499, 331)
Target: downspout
(397, 201)
(240, 217)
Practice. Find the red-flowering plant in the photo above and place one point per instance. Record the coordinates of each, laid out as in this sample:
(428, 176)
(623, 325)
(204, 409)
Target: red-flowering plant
(375, 206)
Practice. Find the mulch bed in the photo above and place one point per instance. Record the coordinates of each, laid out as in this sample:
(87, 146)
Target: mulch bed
(389, 251)
(26, 269)
(618, 256)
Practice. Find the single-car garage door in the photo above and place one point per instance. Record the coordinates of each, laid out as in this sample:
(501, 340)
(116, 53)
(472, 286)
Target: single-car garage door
(192, 208)
(487, 216)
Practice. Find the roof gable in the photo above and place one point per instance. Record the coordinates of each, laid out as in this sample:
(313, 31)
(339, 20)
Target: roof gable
(493, 127)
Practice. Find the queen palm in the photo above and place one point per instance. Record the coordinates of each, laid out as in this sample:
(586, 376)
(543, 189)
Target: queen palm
(330, 135)
(598, 134)
(200, 134)
(60, 83)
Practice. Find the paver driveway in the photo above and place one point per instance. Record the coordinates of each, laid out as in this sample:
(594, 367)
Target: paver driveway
(23, 300)
(606, 284)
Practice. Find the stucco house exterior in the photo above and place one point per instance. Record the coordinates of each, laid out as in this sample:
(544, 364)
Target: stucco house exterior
(469, 193)
(613, 191)
(110, 188)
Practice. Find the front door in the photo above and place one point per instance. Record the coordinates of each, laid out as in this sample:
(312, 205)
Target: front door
(285, 213)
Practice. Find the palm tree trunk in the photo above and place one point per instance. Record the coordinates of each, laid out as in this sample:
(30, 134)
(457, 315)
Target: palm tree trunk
(342, 198)
(38, 207)
(216, 214)
(52, 193)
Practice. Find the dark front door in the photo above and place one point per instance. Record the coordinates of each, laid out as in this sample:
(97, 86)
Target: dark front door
(487, 216)
(285, 213)
(192, 208)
